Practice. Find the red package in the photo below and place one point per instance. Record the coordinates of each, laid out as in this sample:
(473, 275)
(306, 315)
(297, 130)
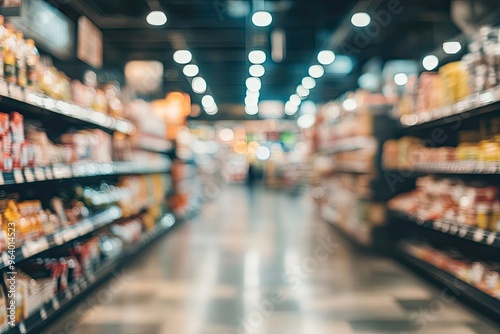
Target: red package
(16, 156)
(17, 127)
(6, 162)
(7, 142)
(4, 123)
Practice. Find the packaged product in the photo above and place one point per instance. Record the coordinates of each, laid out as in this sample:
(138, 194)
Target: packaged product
(17, 127)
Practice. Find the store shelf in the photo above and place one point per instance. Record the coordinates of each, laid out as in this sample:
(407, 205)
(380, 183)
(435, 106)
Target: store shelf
(361, 237)
(82, 169)
(353, 168)
(84, 227)
(37, 103)
(38, 319)
(474, 105)
(487, 304)
(350, 144)
(470, 233)
(453, 167)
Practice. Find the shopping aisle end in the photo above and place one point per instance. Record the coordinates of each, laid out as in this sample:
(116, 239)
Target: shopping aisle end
(261, 261)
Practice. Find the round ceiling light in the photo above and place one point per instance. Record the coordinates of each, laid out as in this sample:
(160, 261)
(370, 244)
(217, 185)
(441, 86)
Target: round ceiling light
(182, 56)
(326, 57)
(308, 83)
(253, 84)
(262, 18)
(360, 19)
(257, 70)
(252, 110)
(199, 85)
(191, 70)
(316, 71)
(430, 62)
(156, 18)
(257, 56)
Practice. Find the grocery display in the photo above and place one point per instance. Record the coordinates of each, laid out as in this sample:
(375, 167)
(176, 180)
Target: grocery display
(353, 191)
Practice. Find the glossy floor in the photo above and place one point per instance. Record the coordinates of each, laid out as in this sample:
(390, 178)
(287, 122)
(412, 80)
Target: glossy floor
(261, 262)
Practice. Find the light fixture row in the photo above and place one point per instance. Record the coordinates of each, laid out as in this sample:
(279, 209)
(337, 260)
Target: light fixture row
(198, 84)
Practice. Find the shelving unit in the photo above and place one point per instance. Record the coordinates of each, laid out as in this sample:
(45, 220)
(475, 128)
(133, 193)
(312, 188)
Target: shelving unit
(470, 233)
(82, 170)
(37, 320)
(474, 105)
(481, 300)
(35, 104)
(453, 167)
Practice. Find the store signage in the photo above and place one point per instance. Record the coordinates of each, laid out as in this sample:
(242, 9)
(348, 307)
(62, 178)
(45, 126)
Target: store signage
(12, 7)
(89, 43)
(52, 31)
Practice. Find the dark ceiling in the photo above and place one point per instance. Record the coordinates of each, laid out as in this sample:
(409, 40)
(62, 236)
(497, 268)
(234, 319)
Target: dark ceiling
(220, 41)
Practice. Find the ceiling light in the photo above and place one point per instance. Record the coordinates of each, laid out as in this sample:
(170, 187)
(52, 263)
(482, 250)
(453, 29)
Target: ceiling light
(251, 100)
(252, 110)
(316, 71)
(360, 19)
(257, 56)
(212, 110)
(430, 62)
(308, 83)
(191, 70)
(255, 94)
(182, 56)
(302, 92)
(451, 47)
(308, 107)
(295, 99)
(326, 57)
(290, 108)
(207, 101)
(306, 121)
(253, 84)
(156, 18)
(199, 85)
(350, 104)
(257, 70)
(262, 18)
(401, 79)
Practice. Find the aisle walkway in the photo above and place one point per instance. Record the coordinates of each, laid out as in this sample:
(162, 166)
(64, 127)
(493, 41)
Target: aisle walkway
(261, 262)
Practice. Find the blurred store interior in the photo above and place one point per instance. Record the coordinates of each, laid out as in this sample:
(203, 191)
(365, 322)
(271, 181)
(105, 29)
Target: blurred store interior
(249, 167)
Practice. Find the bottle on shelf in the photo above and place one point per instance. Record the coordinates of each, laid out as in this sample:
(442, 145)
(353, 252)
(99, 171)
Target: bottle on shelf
(10, 55)
(32, 59)
(20, 59)
(3, 35)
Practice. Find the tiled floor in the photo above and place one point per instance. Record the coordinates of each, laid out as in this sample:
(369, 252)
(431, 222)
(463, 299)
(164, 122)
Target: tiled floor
(260, 262)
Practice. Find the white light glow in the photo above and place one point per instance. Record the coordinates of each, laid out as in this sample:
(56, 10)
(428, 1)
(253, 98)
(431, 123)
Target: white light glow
(156, 18)
(308, 107)
(252, 110)
(350, 104)
(199, 85)
(226, 134)
(452, 47)
(191, 70)
(306, 121)
(326, 57)
(302, 92)
(401, 79)
(212, 110)
(207, 101)
(253, 84)
(430, 62)
(257, 56)
(257, 70)
(290, 108)
(316, 71)
(295, 99)
(308, 83)
(262, 18)
(263, 153)
(251, 100)
(182, 56)
(360, 19)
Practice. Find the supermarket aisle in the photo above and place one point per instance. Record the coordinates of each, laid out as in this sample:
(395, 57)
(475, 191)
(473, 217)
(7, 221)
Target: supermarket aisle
(261, 262)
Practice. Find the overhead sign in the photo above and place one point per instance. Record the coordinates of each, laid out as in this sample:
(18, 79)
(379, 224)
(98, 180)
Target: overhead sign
(51, 30)
(89, 43)
(11, 7)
